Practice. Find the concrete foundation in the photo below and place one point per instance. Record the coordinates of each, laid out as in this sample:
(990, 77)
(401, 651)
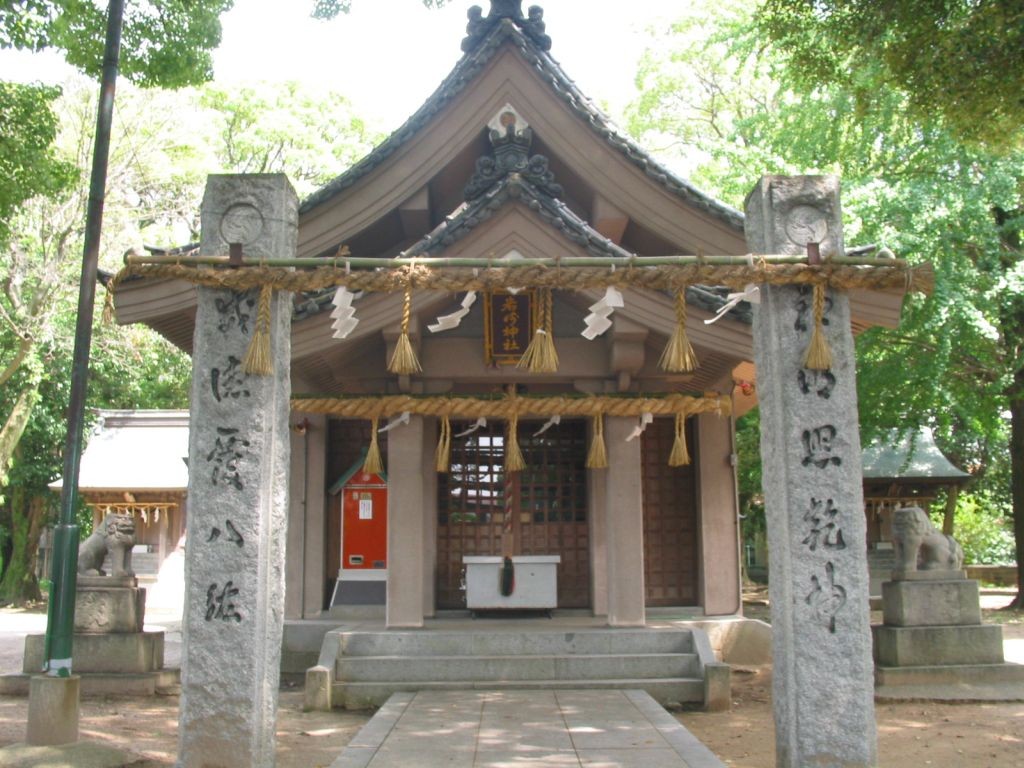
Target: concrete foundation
(52, 710)
(922, 646)
(116, 653)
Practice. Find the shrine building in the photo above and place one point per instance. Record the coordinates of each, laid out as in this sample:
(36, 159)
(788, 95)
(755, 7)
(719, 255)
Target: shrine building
(507, 159)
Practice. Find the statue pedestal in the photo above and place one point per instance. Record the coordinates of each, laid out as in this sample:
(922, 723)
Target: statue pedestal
(109, 604)
(933, 645)
(111, 652)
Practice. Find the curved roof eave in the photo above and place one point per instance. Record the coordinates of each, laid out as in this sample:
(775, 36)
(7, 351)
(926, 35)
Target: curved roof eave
(466, 69)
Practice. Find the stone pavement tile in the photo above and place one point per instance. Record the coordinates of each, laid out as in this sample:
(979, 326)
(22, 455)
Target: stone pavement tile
(537, 759)
(354, 757)
(628, 735)
(630, 758)
(430, 754)
(522, 737)
(381, 724)
(675, 733)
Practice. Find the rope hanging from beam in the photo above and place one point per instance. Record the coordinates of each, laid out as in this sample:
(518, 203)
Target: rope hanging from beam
(511, 407)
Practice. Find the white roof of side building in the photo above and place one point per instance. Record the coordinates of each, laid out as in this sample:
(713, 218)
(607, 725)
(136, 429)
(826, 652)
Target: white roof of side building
(135, 451)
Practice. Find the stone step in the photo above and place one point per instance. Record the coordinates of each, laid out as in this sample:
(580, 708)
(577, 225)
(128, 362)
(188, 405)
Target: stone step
(476, 669)
(499, 643)
(665, 691)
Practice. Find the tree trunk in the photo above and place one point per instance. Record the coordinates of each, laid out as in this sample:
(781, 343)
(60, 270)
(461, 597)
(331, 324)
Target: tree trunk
(1017, 481)
(948, 516)
(15, 425)
(19, 584)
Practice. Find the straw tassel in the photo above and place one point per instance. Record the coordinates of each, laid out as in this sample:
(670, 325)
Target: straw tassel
(257, 357)
(444, 445)
(373, 465)
(818, 356)
(540, 356)
(597, 458)
(680, 456)
(108, 308)
(679, 356)
(404, 358)
(514, 461)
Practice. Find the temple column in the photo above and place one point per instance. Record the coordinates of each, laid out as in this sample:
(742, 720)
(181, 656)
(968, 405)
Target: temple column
(624, 524)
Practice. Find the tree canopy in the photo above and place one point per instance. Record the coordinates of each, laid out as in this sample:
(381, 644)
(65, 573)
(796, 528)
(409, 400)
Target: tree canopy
(728, 109)
(958, 59)
(164, 42)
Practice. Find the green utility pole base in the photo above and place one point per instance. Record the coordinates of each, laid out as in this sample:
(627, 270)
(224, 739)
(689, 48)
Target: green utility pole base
(60, 619)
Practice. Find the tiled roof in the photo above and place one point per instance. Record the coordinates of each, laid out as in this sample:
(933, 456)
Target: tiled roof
(912, 456)
(514, 187)
(467, 68)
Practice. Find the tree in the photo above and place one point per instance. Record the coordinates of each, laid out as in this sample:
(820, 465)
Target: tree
(164, 144)
(165, 43)
(28, 164)
(959, 59)
(284, 128)
(956, 361)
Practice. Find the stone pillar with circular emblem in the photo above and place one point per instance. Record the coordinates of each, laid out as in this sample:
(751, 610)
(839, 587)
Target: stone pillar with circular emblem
(811, 468)
(238, 494)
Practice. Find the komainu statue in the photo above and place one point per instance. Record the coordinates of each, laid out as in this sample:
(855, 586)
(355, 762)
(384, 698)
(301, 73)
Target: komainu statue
(919, 545)
(116, 535)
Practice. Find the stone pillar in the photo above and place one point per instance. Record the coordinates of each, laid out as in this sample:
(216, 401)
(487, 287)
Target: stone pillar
(625, 524)
(811, 458)
(406, 456)
(238, 490)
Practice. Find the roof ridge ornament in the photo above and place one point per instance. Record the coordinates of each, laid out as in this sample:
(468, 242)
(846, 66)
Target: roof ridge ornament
(510, 136)
(479, 27)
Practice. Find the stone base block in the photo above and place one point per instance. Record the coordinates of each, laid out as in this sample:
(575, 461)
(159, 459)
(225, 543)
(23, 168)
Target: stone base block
(962, 682)
(938, 646)
(52, 710)
(318, 689)
(164, 681)
(930, 603)
(137, 652)
(717, 687)
(106, 609)
(935, 574)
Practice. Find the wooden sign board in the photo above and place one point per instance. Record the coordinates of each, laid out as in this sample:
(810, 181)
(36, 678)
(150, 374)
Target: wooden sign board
(508, 326)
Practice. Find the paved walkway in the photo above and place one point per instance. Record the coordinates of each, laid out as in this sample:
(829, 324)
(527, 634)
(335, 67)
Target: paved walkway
(528, 729)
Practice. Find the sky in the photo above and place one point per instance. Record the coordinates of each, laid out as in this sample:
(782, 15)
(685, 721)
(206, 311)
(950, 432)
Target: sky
(387, 56)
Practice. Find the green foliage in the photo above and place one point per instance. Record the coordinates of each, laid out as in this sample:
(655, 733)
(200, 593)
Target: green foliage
(726, 109)
(748, 473)
(329, 9)
(285, 128)
(957, 59)
(983, 529)
(164, 43)
(28, 164)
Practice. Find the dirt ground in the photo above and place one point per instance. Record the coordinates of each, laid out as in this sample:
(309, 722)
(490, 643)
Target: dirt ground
(910, 733)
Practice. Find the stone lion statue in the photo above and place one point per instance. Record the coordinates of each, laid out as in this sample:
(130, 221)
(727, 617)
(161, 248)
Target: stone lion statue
(919, 545)
(116, 535)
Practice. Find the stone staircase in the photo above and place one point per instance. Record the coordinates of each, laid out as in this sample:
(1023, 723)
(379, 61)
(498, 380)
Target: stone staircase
(361, 669)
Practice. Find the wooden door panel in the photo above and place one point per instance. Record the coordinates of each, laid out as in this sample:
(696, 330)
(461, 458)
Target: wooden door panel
(670, 519)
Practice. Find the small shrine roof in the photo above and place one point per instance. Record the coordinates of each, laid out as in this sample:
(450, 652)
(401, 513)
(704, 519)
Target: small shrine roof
(914, 456)
(135, 451)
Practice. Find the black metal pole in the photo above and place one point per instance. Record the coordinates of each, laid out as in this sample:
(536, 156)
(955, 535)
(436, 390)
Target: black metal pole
(60, 622)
